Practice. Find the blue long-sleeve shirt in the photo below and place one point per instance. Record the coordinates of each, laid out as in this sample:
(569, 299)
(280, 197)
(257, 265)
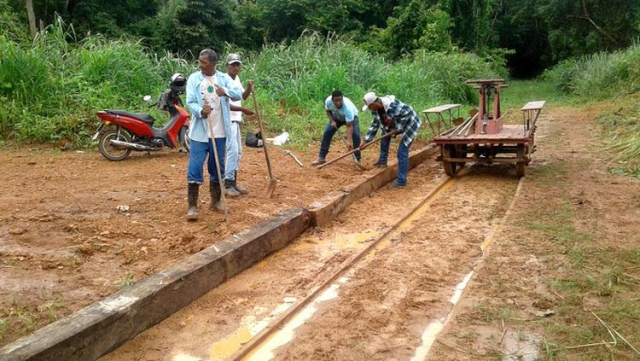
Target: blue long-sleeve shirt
(198, 130)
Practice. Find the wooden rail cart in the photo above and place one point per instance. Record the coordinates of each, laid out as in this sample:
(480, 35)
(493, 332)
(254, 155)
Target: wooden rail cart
(483, 137)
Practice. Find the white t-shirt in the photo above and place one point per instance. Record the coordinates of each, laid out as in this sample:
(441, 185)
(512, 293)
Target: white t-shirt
(208, 89)
(236, 116)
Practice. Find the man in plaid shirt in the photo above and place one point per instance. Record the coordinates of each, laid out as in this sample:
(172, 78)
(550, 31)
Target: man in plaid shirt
(393, 116)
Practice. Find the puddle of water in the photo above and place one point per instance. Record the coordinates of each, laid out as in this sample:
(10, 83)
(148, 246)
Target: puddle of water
(428, 338)
(230, 344)
(429, 335)
(459, 288)
(185, 357)
(406, 224)
(328, 245)
(521, 346)
(265, 351)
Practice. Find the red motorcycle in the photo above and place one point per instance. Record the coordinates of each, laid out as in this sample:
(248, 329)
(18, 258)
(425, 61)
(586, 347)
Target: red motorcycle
(135, 131)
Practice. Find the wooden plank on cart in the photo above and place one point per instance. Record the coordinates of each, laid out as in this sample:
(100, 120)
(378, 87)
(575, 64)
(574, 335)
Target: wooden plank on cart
(536, 105)
(441, 108)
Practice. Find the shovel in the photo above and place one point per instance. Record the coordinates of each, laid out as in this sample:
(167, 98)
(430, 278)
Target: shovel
(272, 182)
(355, 160)
(355, 150)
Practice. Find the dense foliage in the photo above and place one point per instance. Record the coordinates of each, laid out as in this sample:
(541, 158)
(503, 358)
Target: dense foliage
(295, 79)
(605, 76)
(599, 76)
(51, 89)
(53, 76)
(539, 33)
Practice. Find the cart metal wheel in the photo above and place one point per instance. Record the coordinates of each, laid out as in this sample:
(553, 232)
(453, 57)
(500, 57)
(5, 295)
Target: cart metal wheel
(448, 151)
(520, 165)
(461, 152)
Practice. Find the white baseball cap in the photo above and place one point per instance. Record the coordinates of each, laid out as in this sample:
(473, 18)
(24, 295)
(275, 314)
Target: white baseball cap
(233, 58)
(369, 98)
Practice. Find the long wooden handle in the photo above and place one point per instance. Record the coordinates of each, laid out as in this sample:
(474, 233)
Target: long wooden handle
(217, 162)
(356, 150)
(262, 133)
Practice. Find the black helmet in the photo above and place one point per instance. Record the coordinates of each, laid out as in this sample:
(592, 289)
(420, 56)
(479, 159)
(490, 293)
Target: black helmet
(178, 83)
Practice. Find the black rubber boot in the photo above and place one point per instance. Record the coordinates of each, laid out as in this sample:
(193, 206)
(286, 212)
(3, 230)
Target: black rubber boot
(192, 198)
(214, 189)
(229, 188)
(237, 187)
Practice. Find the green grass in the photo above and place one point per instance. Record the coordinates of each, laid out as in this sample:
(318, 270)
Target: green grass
(595, 277)
(520, 92)
(599, 76)
(127, 281)
(608, 76)
(622, 131)
(19, 317)
(293, 81)
(51, 89)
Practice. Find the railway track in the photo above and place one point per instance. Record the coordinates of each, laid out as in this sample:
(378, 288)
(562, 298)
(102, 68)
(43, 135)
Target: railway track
(261, 346)
(428, 253)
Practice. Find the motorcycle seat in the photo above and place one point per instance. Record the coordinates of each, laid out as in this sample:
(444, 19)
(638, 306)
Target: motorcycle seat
(140, 116)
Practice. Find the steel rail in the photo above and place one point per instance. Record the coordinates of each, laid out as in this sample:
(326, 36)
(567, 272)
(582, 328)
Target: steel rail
(281, 320)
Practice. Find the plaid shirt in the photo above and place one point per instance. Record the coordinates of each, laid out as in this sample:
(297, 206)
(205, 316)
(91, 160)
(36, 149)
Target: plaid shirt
(403, 119)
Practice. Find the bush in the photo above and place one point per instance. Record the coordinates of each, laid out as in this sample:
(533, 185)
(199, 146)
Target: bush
(51, 90)
(293, 80)
(599, 76)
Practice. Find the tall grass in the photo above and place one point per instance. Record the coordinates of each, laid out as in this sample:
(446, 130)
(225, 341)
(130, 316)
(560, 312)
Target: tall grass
(599, 76)
(294, 80)
(609, 76)
(623, 130)
(50, 89)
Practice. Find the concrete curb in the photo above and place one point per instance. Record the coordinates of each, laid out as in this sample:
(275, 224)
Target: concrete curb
(105, 325)
(331, 205)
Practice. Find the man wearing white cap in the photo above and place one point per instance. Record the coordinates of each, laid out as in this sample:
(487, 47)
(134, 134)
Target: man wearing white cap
(234, 140)
(392, 116)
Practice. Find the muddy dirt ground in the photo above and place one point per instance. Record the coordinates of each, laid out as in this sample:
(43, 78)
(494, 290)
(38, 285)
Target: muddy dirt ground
(570, 246)
(569, 251)
(570, 214)
(64, 244)
(214, 326)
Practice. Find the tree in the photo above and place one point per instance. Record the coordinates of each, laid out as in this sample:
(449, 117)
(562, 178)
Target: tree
(32, 18)
(418, 25)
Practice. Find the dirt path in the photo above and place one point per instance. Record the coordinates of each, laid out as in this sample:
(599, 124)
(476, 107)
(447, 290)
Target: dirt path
(401, 288)
(387, 302)
(215, 325)
(570, 248)
(64, 244)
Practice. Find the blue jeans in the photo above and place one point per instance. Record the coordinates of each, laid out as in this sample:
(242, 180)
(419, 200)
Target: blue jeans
(329, 131)
(403, 159)
(198, 154)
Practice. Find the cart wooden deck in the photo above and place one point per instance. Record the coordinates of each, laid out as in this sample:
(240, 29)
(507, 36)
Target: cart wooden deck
(456, 144)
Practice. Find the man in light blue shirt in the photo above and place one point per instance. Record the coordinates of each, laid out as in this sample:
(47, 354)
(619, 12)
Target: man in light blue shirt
(340, 111)
(208, 94)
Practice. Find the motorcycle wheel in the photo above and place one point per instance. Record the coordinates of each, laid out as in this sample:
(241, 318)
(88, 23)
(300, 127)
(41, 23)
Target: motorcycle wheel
(110, 152)
(184, 139)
